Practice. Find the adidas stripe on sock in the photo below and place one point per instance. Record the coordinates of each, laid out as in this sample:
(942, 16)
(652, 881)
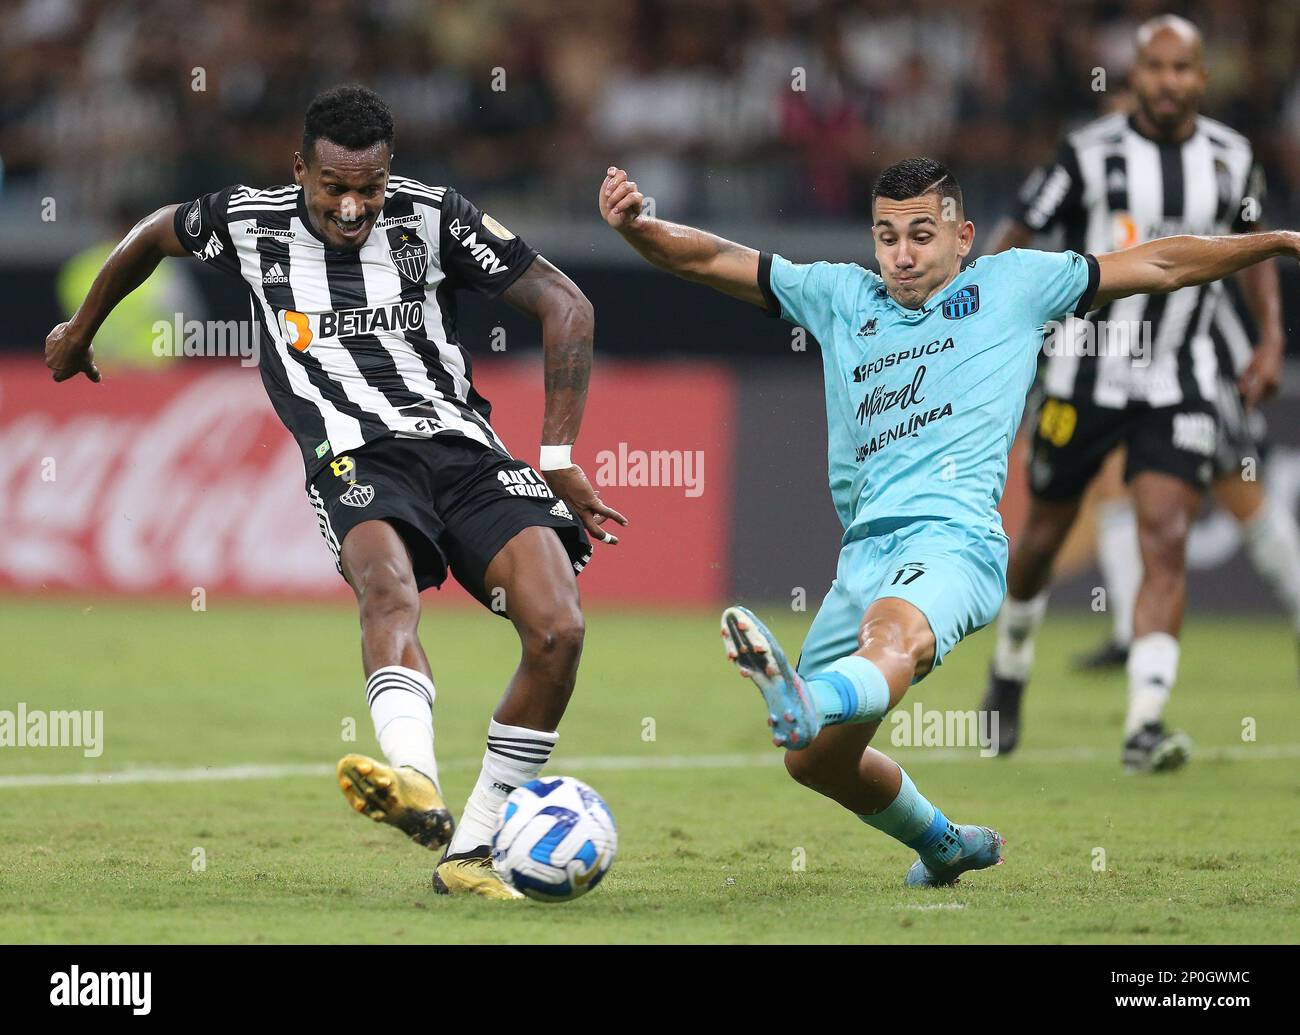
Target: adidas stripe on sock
(401, 703)
(514, 755)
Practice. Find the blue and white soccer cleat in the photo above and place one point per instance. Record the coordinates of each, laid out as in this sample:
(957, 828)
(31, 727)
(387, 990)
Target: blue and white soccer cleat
(790, 711)
(979, 848)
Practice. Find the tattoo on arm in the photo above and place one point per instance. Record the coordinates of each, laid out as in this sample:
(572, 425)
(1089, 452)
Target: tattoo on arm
(548, 295)
(574, 369)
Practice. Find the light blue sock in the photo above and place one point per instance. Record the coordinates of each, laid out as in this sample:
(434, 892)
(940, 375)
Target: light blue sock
(852, 689)
(911, 818)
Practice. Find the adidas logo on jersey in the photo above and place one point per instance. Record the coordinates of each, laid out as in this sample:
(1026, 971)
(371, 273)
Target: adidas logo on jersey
(275, 275)
(561, 510)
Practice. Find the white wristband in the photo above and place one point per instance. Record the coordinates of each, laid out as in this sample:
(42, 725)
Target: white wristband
(555, 458)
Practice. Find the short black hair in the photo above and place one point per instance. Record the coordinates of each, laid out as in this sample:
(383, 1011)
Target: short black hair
(351, 116)
(914, 177)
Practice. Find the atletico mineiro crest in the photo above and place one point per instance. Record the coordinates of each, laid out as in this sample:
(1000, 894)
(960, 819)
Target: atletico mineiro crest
(962, 303)
(412, 259)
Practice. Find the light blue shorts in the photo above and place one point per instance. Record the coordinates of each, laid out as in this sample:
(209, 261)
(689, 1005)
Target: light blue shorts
(954, 575)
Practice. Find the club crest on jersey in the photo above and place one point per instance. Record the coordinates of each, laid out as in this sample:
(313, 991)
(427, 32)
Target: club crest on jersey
(963, 303)
(412, 259)
(359, 495)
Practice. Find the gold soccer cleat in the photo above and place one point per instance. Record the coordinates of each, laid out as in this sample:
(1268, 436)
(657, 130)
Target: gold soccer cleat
(404, 797)
(471, 873)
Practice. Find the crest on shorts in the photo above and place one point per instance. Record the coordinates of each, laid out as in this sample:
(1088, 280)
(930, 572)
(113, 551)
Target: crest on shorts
(412, 259)
(963, 303)
(359, 495)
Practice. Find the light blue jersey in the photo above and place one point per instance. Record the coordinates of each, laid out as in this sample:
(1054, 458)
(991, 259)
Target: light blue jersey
(922, 404)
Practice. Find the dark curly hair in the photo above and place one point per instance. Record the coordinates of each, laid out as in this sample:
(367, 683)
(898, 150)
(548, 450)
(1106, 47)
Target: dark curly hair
(350, 116)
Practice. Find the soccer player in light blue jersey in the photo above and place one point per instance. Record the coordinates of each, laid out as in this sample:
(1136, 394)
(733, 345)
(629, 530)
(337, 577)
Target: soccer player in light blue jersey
(926, 367)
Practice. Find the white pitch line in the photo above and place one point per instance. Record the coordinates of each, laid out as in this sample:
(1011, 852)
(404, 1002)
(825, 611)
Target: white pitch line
(632, 763)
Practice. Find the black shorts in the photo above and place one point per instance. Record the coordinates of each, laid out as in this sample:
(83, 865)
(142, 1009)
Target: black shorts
(1071, 442)
(454, 502)
(1243, 437)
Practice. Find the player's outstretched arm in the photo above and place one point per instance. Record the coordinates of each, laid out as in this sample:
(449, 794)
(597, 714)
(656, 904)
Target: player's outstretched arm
(1170, 263)
(68, 349)
(568, 326)
(683, 250)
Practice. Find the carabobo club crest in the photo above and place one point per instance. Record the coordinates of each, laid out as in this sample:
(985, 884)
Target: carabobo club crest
(412, 259)
(961, 304)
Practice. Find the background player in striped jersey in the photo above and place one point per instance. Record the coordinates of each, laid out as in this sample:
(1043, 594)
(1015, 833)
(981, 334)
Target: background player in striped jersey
(352, 274)
(1267, 526)
(1141, 373)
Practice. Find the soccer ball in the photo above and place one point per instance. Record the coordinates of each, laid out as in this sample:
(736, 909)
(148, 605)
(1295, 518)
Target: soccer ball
(556, 840)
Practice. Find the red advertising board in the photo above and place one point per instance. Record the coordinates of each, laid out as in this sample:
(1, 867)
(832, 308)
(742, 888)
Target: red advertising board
(161, 482)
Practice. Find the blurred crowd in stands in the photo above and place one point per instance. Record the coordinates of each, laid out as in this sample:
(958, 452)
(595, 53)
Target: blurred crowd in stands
(781, 109)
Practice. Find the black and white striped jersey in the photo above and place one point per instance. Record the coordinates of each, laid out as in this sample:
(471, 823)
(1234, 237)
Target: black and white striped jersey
(1110, 188)
(1232, 340)
(359, 345)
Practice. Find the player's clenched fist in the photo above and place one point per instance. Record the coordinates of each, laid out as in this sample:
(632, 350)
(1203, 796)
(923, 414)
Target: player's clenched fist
(620, 201)
(67, 354)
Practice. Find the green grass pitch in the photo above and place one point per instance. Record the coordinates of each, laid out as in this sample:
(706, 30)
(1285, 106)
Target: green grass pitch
(712, 830)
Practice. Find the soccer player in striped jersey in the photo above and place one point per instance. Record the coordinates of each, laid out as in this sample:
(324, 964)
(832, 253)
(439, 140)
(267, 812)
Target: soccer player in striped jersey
(1268, 528)
(926, 370)
(1142, 372)
(352, 274)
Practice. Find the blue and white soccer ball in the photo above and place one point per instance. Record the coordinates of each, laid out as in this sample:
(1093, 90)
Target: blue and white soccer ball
(556, 840)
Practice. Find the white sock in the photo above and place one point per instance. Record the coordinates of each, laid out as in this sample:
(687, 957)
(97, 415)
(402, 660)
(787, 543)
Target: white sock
(401, 705)
(1018, 620)
(1120, 561)
(1152, 668)
(515, 755)
(1273, 543)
